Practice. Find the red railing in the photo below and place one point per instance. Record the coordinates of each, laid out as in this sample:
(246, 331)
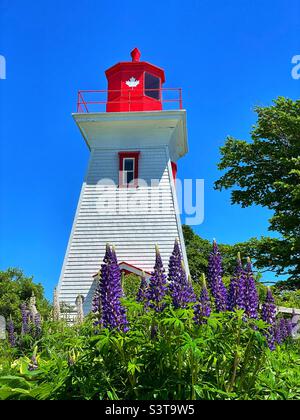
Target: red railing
(91, 100)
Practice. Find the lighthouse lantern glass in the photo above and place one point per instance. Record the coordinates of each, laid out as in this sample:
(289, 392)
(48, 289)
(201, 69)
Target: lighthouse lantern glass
(152, 86)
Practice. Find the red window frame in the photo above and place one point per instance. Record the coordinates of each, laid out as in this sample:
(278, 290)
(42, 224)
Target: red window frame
(132, 155)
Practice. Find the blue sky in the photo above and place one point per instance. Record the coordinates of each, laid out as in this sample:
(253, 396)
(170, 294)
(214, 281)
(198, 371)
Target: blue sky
(227, 56)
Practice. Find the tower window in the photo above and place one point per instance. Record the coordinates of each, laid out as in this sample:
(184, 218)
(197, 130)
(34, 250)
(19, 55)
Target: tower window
(152, 86)
(128, 170)
(128, 167)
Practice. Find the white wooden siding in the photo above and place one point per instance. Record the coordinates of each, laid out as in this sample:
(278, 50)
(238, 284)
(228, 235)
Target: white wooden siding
(133, 234)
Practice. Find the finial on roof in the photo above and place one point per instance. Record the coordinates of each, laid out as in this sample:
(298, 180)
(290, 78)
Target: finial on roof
(136, 55)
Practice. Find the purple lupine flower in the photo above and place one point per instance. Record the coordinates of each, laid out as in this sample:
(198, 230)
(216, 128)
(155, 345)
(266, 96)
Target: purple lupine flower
(281, 331)
(268, 314)
(157, 285)
(11, 333)
(33, 365)
(142, 292)
(180, 287)
(25, 319)
(215, 282)
(277, 333)
(113, 313)
(268, 310)
(38, 324)
(251, 295)
(289, 328)
(236, 292)
(202, 309)
(96, 301)
(284, 330)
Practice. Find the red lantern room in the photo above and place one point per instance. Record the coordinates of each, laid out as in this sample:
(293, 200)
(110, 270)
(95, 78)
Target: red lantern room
(134, 86)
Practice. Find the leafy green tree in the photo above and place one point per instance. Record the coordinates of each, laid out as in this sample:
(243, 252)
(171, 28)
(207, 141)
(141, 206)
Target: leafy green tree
(198, 250)
(266, 172)
(16, 288)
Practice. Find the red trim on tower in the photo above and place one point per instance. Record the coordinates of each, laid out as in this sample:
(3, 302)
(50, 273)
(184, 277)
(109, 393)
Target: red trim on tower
(174, 170)
(129, 269)
(135, 156)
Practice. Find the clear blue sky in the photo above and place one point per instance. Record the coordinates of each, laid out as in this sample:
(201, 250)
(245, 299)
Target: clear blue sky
(227, 55)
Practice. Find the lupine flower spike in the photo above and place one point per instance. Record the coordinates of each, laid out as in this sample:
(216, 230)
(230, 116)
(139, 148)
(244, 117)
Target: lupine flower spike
(56, 306)
(113, 313)
(25, 319)
(180, 287)
(11, 333)
(236, 293)
(251, 295)
(96, 301)
(37, 325)
(142, 292)
(79, 310)
(214, 277)
(268, 314)
(202, 309)
(157, 285)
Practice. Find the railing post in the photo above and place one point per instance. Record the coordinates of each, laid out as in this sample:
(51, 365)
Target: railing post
(180, 98)
(78, 105)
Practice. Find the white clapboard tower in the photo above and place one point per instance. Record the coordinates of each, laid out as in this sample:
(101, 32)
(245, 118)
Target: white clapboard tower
(128, 196)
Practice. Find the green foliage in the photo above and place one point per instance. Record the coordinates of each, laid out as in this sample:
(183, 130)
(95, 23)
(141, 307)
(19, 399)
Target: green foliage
(131, 284)
(287, 298)
(280, 377)
(266, 172)
(163, 356)
(16, 288)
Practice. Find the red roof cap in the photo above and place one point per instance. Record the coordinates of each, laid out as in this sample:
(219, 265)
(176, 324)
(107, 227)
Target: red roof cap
(136, 55)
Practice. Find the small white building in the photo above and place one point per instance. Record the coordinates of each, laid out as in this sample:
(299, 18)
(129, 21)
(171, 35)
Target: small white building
(128, 196)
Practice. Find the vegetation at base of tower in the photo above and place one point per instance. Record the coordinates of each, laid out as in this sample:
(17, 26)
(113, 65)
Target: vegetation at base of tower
(197, 349)
(16, 288)
(266, 172)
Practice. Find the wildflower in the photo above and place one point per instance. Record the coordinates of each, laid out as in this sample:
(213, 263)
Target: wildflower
(202, 309)
(289, 328)
(113, 313)
(268, 314)
(251, 295)
(215, 282)
(283, 330)
(25, 319)
(11, 333)
(157, 285)
(38, 324)
(32, 307)
(277, 334)
(96, 301)
(236, 293)
(180, 286)
(142, 292)
(56, 306)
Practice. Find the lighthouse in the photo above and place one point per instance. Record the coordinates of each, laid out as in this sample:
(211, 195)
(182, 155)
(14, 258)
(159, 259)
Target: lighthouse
(136, 132)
